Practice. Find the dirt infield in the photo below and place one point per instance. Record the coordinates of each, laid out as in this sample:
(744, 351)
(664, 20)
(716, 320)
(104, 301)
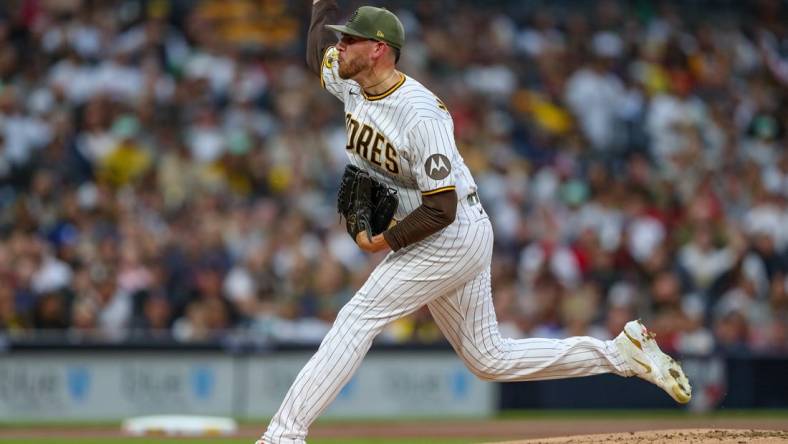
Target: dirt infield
(689, 429)
(586, 430)
(699, 436)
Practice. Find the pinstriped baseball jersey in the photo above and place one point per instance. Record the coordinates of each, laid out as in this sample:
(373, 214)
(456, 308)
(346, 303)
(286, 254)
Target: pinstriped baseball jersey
(404, 137)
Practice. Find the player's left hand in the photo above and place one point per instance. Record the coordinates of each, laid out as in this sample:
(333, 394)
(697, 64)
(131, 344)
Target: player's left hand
(378, 242)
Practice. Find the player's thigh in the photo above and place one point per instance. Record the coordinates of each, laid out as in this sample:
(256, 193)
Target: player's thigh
(403, 283)
(388, 294)
(466, 315)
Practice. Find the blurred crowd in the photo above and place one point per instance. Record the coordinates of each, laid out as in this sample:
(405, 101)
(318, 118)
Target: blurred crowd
(168, 169)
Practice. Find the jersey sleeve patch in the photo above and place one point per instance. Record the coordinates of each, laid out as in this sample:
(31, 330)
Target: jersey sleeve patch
(328, 62)
(433, 150)
(437, 166)
(328, 65)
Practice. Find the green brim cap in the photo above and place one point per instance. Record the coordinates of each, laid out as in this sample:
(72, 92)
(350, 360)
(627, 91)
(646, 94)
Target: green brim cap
(345, 30)
(374, 23)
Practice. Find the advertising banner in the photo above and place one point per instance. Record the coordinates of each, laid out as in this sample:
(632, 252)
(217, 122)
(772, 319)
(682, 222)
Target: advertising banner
(386, 385)
(117, 385)
(113, 386)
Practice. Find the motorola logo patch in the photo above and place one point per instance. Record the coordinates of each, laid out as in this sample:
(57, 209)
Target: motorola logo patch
(437, 166)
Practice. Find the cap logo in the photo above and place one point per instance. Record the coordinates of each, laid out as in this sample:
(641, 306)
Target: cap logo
(380, 34)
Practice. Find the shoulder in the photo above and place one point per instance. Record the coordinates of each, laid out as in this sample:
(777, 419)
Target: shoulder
(422, 103)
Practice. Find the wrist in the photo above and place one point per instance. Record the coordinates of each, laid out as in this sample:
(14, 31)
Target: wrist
(391, 240)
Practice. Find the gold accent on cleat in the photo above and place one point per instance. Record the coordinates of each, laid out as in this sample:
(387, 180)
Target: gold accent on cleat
(648, 367)
(655, 366)
(681, 396)
(634, 341)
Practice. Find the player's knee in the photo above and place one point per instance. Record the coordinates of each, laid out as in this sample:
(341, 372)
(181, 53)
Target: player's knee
(485, 372)
(484, 376)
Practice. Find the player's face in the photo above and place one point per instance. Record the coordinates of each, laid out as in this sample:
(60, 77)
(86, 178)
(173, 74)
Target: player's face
(354, 55)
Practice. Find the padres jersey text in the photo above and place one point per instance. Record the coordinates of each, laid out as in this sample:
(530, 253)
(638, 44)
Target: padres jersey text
(404, 137)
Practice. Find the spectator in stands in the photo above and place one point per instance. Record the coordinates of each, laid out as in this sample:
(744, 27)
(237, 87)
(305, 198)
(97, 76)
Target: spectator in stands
(171, 167)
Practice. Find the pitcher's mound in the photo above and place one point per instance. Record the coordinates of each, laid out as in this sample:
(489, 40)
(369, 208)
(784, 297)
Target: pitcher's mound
(698, 436)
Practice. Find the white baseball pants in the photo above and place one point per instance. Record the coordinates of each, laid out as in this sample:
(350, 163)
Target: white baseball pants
(450, 272)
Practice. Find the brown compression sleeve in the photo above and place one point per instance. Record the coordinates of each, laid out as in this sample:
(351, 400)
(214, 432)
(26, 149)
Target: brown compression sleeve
(319, 37)
(436, 212)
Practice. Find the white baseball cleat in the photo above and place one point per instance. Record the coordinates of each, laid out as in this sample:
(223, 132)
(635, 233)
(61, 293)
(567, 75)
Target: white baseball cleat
(643, 355)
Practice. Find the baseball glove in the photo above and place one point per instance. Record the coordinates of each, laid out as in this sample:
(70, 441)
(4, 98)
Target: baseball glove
(366, 204)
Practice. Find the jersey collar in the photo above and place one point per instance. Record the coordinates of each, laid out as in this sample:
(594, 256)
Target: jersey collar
(386, 93)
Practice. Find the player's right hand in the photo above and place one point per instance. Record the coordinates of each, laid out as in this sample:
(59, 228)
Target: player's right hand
(371, 245)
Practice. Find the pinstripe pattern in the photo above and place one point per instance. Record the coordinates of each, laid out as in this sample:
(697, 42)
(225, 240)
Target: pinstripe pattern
(416, 124)
(449, 271)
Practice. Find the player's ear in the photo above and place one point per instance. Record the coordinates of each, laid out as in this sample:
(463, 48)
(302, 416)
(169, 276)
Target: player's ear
(381, 49)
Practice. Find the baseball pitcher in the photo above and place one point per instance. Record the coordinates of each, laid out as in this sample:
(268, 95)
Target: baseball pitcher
(401, 149)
